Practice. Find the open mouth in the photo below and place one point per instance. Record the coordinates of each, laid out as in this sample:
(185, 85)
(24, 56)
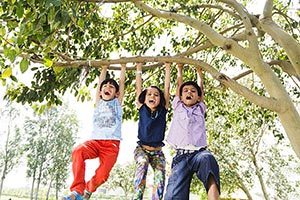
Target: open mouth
(151, 101)
(188, 98)
(106, 93)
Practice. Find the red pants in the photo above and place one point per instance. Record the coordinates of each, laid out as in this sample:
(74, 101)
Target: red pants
(106, 150)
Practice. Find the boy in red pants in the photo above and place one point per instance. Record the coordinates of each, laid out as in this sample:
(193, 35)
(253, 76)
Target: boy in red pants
(105, 140)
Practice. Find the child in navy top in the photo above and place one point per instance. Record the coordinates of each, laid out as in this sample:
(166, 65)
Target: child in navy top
(152, 104)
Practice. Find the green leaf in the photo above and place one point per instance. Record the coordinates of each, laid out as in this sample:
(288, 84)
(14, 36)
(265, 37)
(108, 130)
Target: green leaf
(2, 30)
(65, 18)
(42, 109)
(10, 54)
(80, 23)
(48, 62)
(53, 2)
(3, 82)
(14, 78)
(53, 44)
(24, 65)
(51, 15)
(57, 70)
(7, 73)
(20, 11)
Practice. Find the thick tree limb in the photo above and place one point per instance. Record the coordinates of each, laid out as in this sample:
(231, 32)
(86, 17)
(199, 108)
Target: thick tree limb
(286, 41)
(269, 103)
(268, 8)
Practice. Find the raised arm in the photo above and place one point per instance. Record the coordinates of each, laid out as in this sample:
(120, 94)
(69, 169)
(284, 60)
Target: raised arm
(102, 76)
(167, 83)
(200, 82)
(138, 78)
(122, 83)
(179, 78)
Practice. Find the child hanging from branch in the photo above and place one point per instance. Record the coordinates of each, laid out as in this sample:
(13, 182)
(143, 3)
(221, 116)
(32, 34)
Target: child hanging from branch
(105, 140)
(187, 135)
(152, 105)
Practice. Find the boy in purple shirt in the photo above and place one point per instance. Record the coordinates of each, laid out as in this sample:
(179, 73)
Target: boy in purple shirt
(187, 135)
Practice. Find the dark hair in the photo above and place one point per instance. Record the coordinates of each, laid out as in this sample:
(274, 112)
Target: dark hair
(111, 81)
(193, 83)
(162, 102)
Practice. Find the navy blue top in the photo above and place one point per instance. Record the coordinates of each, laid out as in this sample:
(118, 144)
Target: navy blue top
(152, 127)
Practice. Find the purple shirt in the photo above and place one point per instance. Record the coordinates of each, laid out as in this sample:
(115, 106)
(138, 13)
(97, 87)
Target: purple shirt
(188, 126)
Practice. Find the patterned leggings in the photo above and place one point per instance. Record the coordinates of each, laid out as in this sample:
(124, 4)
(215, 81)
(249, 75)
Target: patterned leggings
(157, 161)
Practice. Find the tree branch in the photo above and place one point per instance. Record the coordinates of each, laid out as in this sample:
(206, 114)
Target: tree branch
(268, 8)
(269, 103)
(242, 75)
(251, 36)
(286, 41)
(215, 37)
(286, 66)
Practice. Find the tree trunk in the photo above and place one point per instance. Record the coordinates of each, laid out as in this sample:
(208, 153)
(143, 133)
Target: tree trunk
(39, 181)
(3, 175)
(32, 186)
(260, 178)
(33, 177)
(4, 170)
(289, 117)
(49, 189)
(2, 181)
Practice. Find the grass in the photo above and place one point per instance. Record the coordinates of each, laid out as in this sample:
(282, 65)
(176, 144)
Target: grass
(7, 197)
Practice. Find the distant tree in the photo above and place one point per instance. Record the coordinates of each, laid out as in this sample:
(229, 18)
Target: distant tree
(65, 125)
(50, 138)
(122, 176)
(11, 152)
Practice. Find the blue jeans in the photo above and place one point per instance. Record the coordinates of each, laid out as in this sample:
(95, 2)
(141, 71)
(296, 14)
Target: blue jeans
(201, 162)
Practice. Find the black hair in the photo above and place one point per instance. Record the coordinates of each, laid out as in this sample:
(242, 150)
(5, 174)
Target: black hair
(193, 83)
(162, 102)
(111, 81)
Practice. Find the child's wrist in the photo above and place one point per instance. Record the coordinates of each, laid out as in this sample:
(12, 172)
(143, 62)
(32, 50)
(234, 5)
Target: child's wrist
(138, 72)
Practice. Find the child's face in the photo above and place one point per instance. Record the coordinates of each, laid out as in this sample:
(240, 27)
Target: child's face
(152, 98)
(189, 95)
(108, 92)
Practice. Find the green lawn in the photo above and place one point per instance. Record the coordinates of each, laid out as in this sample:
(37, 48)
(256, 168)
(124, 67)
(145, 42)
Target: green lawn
(5, 197)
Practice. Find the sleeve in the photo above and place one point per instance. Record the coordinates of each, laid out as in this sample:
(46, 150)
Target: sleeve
(203, 107)
(175, 102)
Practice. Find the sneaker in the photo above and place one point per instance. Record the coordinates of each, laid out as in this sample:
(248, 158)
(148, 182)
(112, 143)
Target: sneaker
(87, 195)
(73, 196)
